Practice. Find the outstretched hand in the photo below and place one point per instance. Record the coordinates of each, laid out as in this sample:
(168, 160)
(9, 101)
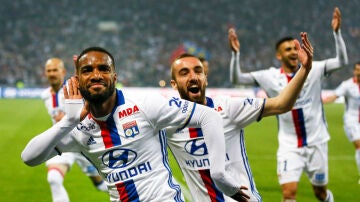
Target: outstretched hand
(72, 92)
(305, 51)
(233, 40)
(241, 196)
(336, 20)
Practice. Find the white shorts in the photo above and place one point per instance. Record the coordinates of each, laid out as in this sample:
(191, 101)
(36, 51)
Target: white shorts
(69, 158)
(352, 131)
(313, 160)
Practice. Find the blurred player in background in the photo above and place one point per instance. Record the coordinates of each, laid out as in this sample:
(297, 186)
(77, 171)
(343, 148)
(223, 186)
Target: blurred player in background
(58, 166)
(303, 133)
(189, 77)
(350, 89)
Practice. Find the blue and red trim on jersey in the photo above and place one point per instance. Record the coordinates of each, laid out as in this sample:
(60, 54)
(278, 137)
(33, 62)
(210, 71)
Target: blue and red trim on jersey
(127, 191)
(244, 156)
(298, 118)
(165, 160)
(55, 99)
(197, 132)
(214, 193)
(108, 128)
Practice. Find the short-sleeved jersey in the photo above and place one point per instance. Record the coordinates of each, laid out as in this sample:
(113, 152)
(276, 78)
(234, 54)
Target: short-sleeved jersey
(189, 149)
(126, 146)
(351, 92)
(54, 102)
(305, 124)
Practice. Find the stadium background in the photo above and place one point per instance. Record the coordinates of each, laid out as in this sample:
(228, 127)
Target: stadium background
(143, 36)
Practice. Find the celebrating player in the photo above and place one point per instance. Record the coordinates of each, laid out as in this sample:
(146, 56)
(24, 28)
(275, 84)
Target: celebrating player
(350, 89)
(189, 77)
(303, 134)
(58, 166)
(120, 134)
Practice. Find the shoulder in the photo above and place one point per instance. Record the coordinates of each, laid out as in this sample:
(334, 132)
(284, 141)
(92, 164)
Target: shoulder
(349, 82)
(142, 97)
(263, 72)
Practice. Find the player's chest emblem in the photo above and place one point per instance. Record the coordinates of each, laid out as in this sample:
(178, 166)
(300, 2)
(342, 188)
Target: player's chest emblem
(131, 129)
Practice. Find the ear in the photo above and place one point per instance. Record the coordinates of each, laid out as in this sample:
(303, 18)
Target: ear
(64, 71)
(115, 77)
(278, 56)
(173, 84)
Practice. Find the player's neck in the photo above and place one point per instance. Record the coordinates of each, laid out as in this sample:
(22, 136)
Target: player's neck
(289, 70)
(55, 88)
(103, 109)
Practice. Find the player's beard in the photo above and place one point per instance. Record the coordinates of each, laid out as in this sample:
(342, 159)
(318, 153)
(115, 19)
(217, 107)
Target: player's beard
(55, 81)
(97, 98)
(291, 64)
(184, 94)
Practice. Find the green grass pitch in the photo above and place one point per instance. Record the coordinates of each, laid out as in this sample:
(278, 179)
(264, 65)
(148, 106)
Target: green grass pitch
(22, 119)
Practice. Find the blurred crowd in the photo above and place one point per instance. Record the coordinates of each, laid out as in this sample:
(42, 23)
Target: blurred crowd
(142, 35)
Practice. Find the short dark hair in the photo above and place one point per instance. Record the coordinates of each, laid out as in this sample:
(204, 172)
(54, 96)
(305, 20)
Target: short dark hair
(94, 48)
(282, 40)
(356, 63)
(201, 58)
(183, 55)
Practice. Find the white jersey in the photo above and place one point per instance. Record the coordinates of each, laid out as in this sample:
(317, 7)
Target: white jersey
(305, 124)
(126, 145)
(351, 92)
(54, 102)
(190, 151)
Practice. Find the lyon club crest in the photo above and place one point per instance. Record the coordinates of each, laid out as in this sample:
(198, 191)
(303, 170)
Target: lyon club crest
(131, 129)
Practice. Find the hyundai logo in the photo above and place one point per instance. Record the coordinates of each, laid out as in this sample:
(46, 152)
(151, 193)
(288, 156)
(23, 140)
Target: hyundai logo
(196, 147)
(119, 158)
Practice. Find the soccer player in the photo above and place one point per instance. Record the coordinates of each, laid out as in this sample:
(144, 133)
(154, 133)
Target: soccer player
(189, 77)
(58, 166)
(350, 89)
(302, 134)
(119, 133)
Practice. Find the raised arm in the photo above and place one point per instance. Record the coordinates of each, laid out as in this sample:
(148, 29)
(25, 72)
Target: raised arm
(341, 58)
(44, 146)
(236, 76)
(287, 98)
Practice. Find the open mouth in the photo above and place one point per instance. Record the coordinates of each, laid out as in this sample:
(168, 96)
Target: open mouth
(194, 89)
(293, 57)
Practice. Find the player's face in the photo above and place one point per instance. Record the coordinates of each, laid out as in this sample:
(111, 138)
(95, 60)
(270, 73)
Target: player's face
(288, 56)
(190, 79)
(357, 73)
(97, 77)
(55, 73)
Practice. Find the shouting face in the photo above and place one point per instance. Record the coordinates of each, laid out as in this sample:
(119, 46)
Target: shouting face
(189, 79)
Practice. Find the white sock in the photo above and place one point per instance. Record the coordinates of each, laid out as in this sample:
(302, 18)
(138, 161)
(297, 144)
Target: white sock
(289, 200)
(357, 159)
(329, 196)
(57, 188)
(102, 186)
